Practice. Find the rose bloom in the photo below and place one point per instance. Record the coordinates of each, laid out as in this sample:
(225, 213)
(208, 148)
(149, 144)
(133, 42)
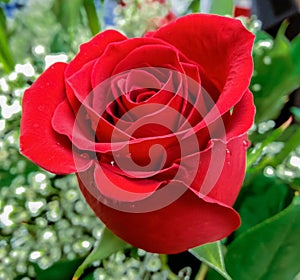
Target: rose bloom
(155, 129)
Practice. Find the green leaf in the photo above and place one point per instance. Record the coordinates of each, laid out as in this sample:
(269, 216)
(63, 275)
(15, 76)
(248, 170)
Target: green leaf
(224, 7)
(108, 244)
(59, 271)
(6, 57)
(68, 14)
(295, 45)
(296, 112)
(92, 16)
(268, 251)
(254, 154)
(270, 192)
(276, 75)
(194, 6)
(290, 144)
(211, 254)
(89, 276)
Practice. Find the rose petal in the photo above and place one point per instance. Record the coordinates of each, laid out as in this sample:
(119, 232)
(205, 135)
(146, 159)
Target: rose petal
(242, 117)
(88, 52)
(187, 222)
(38, 141)
(161, 56)
(113, 54)
(80, 84)
(81, 136)
(229, 67)
(121, 188)
(221, 170)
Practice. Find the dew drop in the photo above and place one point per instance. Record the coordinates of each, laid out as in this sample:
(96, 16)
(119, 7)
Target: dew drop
(246, 144)
(228, 155)
(112, 163)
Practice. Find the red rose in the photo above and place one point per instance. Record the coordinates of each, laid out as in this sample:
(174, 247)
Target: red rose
(154, 127)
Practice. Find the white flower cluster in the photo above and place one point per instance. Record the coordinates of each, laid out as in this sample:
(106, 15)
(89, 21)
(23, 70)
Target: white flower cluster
(135, 18)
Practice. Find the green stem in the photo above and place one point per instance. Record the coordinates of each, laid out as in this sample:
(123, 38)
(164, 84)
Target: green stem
(92, 16)
(202, 272)
(164, 265)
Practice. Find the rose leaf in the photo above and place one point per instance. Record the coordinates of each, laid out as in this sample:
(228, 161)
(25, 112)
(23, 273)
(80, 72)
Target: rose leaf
(270, 250)
(108, 244)
(212, 255)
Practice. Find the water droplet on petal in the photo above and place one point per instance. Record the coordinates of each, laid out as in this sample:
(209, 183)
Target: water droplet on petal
(246, 144)
(228, 155)
(112, 163)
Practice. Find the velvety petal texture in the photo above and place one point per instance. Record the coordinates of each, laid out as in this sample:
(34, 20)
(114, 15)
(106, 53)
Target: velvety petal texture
(38, 140)
(155, 129)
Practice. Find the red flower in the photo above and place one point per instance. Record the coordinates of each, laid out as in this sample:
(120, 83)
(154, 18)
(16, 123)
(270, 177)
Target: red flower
(154, 127)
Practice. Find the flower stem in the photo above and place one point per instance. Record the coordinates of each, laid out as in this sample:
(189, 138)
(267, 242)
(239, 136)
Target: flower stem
(202, 272)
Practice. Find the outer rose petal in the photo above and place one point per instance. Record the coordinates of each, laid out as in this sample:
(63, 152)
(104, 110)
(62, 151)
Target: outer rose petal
(93, 49)
(89, 51)
(242, 117)
(221, 46)
(186, 223)
(122, 188)
(223, 168)
(230, 181)
(38, 141)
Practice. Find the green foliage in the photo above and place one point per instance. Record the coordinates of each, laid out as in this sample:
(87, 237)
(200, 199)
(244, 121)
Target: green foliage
(276, 72)
(212, 255)
(256, 153)
(261, 199)
(68, 14)
(194, 6)
(268, 251)
(92, 16)
(59, 271)
(296, 112)
(6, 58)
(224, 7)
(108, 244)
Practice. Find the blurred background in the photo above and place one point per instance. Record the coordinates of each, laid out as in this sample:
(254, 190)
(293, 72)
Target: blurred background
(46, 228)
